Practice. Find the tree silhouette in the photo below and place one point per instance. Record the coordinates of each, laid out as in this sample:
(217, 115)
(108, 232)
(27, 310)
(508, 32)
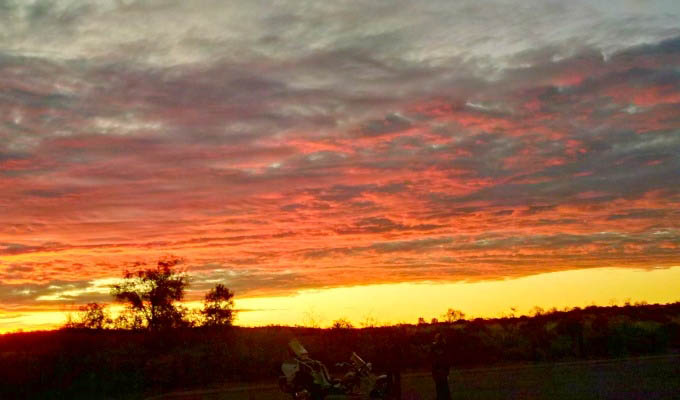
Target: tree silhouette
(150, 295)
(218, 306)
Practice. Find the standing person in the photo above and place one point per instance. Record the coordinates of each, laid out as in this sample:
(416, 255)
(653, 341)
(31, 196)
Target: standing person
(440, 367)
(395, 365)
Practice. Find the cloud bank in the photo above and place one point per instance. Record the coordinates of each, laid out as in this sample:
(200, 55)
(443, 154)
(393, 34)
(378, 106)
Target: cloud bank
(309, 144)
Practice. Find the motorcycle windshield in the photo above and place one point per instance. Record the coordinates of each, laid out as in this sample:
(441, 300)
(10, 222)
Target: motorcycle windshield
(298, 349)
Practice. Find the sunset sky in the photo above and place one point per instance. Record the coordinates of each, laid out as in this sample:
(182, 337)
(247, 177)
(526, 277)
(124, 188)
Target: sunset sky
(318, 156)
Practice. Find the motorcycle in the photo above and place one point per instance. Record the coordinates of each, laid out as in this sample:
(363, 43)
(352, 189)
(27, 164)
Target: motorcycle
(307, 379)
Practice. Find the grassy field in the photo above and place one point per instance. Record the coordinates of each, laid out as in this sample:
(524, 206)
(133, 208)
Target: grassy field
(633, 378)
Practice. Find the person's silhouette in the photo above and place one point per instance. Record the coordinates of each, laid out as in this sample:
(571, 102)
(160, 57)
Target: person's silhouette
(440, 367)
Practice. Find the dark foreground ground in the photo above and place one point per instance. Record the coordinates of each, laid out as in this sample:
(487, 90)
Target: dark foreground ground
(85, 364)
(655, 377)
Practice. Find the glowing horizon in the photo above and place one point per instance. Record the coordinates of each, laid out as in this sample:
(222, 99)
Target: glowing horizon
(306, 146)
(390, 304)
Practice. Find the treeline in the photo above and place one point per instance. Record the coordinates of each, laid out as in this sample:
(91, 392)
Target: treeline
(91, 363)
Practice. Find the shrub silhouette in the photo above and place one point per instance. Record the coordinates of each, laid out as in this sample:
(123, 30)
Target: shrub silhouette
(342, 323)
(91, 316)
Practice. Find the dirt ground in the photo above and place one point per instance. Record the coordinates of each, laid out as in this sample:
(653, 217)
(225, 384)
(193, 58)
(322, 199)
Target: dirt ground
(656, 377)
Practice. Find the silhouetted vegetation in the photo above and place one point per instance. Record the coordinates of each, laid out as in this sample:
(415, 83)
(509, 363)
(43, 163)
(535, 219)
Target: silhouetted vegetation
(150, 296)
(100, 363)
(90, 316)
(452, 315)
(342, 323)
(218, 307)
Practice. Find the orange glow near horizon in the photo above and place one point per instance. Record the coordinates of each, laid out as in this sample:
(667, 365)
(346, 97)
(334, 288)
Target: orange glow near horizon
(388, 304)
